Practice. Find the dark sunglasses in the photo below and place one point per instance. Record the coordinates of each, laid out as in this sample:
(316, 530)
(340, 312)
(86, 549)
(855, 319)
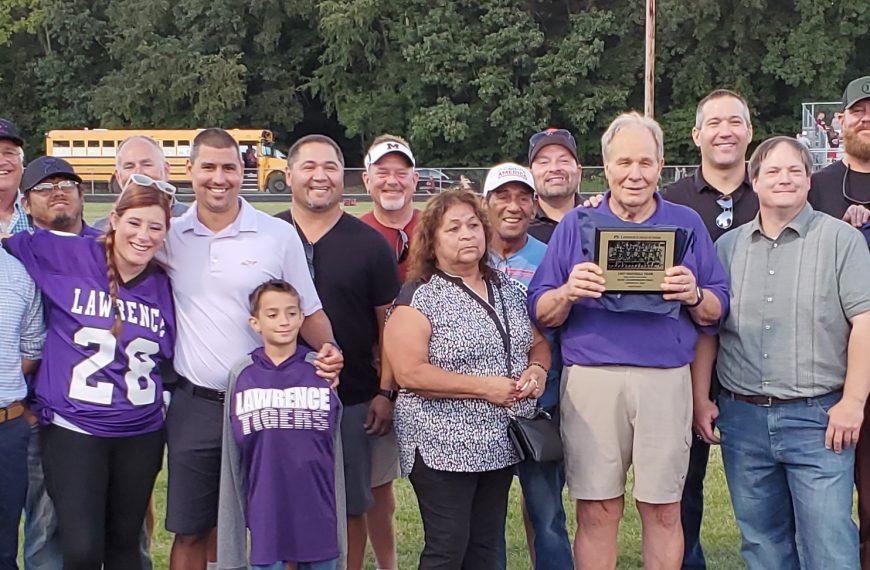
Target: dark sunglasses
(307, 246)
(535, 138)
(726, 218)
(402, 254)
(309, 256)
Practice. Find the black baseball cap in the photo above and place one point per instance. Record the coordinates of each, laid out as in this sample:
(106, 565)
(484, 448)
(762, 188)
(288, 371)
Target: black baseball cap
(561, 137)
(857, 90)
(9, 131)
(46, 167)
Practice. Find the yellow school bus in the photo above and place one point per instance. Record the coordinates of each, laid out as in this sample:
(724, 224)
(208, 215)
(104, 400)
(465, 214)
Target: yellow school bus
(92, 153)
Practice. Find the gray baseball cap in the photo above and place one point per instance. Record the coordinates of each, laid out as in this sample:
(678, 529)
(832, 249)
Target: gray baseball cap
(857, 90)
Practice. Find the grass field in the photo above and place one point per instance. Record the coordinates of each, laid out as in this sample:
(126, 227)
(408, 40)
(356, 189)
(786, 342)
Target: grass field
(719, 534)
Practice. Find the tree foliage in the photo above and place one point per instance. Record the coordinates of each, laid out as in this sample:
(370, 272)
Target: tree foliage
(467, 81)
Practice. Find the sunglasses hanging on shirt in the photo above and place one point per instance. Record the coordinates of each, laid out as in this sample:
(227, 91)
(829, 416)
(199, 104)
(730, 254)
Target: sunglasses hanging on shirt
(846, 195)
(726, 218)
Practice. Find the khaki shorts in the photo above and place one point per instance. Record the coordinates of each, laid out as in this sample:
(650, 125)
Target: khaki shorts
(385, 459)
(617, 416)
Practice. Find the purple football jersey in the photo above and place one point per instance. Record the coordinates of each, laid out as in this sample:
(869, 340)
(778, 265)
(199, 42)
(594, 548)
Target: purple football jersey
(105, 386)
(284, 418)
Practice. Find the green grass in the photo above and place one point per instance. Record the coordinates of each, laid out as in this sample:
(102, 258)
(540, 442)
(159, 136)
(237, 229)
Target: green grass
(719, 533)
(720, 538)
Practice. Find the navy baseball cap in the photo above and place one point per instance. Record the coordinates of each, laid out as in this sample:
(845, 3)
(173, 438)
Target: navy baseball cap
(562, 137)
(46, 167)
(9, 131)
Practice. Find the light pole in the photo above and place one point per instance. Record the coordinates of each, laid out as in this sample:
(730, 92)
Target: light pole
(650, 60)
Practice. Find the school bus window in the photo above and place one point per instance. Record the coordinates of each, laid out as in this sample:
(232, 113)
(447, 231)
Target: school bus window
(183, 148)
(78, 148)
(169, 148)
(109, 148)
(60, 148)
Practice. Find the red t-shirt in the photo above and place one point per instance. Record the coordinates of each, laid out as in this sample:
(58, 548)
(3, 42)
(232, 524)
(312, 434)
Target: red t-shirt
(394, 238)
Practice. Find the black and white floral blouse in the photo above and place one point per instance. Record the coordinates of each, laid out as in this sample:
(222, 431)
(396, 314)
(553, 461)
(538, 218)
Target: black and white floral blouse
(465, 435)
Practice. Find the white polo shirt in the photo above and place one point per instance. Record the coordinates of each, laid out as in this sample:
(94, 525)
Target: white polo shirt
(212, 277)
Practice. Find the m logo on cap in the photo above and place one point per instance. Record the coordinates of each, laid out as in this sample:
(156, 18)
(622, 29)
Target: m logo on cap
(392, 146)
(866, 87)
(50, 166)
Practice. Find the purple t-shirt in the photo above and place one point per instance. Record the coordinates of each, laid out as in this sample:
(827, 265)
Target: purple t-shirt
(594, 336)
(283, 419)
(102, 385)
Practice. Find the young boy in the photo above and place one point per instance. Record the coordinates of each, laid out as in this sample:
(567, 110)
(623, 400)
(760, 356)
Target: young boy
(281, 468)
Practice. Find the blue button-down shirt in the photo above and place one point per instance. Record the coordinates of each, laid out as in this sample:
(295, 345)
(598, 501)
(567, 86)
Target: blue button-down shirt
(22, 330)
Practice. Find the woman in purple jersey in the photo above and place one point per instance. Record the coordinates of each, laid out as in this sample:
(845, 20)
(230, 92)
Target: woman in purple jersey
(98, 393)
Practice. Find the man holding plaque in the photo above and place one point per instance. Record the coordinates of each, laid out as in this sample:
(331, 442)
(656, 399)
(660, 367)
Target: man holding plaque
(626, 396)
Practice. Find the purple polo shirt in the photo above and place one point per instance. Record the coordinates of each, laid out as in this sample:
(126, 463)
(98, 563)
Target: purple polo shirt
(594, 336)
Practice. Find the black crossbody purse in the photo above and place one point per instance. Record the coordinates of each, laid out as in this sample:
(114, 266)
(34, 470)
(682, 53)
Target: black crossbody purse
(536, 437)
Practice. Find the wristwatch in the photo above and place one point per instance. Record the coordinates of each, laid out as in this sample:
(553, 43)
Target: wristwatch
(700, 293)
(390, 395)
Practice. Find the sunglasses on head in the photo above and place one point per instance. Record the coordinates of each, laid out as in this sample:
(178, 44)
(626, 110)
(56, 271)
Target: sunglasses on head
(726, 218)
(148, 182)
(402, 254)
(536, 138)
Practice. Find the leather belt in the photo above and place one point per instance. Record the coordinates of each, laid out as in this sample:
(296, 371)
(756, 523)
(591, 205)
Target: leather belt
(12, 411)
(768, 401)
(201, 392)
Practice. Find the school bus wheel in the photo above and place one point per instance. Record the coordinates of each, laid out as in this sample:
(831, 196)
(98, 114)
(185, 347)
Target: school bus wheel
(276, 184)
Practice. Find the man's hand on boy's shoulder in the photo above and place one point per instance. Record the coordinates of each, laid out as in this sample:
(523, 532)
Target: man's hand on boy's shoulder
(329, 363)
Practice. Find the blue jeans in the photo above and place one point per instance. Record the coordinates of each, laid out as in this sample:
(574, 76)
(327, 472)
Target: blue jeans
(692, 506)
(792, 497)
(41, 543)
(14, 435)
(542, 485)
(323, 565)
(42, 549)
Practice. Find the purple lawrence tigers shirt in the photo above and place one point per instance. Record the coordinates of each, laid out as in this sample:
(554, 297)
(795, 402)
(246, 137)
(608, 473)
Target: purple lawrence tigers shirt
(283, 420)
(594, 336)
(89, 380)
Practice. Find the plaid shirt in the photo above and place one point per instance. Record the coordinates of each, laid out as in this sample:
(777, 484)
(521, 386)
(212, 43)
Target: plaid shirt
(22, 330)
(19, 222)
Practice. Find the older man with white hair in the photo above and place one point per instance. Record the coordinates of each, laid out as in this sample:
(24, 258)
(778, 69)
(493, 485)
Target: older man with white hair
(627, 398)
(12, 216)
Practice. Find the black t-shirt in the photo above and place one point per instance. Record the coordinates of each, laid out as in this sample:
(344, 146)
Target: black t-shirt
(827, 188)
(696, 193)
(542, 226)
(354, 272)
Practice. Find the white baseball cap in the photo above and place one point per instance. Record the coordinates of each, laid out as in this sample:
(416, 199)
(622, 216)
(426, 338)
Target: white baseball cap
(501, 174)
(378, 151)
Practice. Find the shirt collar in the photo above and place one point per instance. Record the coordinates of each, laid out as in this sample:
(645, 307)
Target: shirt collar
(541, 216)
(800, 224)
(701, 184)
(246, 221)
(605, 207)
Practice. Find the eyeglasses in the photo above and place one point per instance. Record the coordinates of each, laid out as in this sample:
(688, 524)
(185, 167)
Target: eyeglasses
(148, 182)
(726, 218)
(402, 254)
(535, 138)
(65, 186)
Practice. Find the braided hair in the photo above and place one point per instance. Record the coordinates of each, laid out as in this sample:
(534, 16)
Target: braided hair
(134, 196)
